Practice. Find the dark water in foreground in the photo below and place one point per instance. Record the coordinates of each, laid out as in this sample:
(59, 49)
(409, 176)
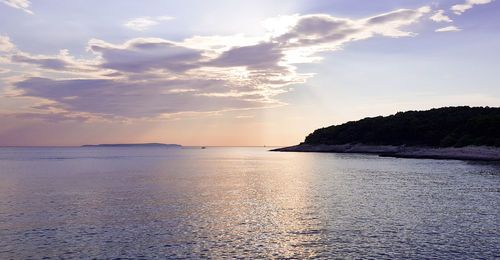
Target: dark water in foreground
(243, 202)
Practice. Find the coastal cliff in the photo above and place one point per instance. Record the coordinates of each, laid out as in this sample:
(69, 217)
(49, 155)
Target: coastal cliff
(444, 133)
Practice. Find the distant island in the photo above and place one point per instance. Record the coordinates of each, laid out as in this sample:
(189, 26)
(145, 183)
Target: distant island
(135, 145)
(471, 133)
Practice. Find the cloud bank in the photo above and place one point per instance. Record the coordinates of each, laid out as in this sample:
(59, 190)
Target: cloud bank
(154, 78)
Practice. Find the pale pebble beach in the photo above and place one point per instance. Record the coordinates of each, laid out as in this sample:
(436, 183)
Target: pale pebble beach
(480, 153)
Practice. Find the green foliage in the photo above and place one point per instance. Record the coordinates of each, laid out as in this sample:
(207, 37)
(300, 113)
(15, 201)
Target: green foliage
(440, 127)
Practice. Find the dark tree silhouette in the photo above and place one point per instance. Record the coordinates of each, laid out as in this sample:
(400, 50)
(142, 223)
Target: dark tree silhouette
(440, 127)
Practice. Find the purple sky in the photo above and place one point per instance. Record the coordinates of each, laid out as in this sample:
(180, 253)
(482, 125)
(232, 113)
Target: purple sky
(233, 73)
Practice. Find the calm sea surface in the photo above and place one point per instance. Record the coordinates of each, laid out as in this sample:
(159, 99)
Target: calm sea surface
(243, 202)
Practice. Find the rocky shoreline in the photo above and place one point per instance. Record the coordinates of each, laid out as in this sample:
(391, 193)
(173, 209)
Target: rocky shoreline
(476, 153)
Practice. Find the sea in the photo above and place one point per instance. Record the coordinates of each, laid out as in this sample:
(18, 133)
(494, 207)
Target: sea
(243, 202)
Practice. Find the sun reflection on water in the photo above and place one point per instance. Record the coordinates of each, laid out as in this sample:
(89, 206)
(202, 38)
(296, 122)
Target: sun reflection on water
(243, 202)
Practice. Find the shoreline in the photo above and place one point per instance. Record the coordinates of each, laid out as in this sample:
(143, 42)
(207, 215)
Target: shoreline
(474, 153)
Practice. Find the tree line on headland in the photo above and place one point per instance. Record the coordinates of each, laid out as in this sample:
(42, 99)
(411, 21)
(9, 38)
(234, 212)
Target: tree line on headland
(440, 127)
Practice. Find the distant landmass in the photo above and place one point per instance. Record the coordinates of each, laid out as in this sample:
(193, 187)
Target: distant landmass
(446, 133)
(135, 145)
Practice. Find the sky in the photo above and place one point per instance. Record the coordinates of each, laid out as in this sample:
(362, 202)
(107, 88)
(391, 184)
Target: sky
(234, 73)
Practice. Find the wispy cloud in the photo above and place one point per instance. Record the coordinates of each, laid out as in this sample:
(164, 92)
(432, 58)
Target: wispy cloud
(144, 23)
(154, 77)
(49, 117)
(440, 17)
(244, 116)
(62, 62)
(461, 8)
(448, 29)
(5, 44)
(18, 4)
